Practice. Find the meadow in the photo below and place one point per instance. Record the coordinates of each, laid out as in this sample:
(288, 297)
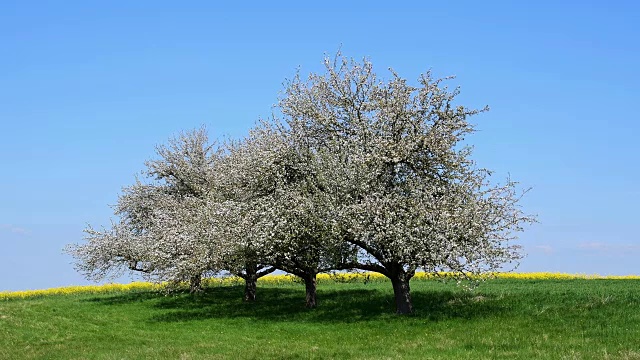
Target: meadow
(515, 316)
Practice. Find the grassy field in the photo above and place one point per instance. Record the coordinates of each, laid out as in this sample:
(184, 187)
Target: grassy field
(502, 319)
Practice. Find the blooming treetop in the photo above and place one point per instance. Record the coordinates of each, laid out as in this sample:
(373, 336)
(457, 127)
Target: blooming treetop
(406, 191)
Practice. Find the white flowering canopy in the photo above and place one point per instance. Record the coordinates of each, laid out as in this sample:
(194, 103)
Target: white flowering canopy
(356, 172)
(405, 189)
(168, 228)
(280, 207)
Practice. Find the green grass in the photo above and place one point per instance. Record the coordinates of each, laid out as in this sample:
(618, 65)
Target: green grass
(503, 319)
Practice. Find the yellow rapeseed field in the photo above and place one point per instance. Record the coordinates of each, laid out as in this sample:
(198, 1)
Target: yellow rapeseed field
(287, 279)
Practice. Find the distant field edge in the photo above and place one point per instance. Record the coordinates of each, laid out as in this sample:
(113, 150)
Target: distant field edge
(287, 279)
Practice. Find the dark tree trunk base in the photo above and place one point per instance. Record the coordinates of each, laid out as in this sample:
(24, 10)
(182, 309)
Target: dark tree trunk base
(252, 272)
(402, 293)
(195, 284)
(310, 285)
(250, 285)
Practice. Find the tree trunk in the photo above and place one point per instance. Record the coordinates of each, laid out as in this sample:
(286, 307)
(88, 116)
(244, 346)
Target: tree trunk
(250, 285)
(402, 292)
(250, 282)
(195, 284)
(310, 286)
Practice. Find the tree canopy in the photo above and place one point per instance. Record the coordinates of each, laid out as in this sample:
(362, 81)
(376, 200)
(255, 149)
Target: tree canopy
(353, 172)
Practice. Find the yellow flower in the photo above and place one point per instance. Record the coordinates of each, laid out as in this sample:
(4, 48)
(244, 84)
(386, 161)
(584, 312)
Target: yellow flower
(288, 279)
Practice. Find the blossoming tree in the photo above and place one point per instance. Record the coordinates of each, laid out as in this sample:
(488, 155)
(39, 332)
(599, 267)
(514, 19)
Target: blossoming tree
(357, 172)
(407, 194)
(282, 208)
(168, 228)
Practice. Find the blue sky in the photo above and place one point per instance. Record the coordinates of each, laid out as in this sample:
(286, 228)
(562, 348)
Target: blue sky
(89, 88)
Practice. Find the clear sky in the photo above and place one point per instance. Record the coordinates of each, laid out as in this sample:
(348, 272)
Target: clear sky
(87, 89)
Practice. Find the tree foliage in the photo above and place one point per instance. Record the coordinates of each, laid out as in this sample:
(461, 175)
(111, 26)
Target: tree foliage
(168, 227)
(410, 196)
(355, 172)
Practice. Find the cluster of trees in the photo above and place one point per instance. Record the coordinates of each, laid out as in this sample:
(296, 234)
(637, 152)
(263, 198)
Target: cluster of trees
(354, 172)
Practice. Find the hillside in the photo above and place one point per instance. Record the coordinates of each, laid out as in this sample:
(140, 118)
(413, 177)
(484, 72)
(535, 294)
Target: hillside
(503, 318)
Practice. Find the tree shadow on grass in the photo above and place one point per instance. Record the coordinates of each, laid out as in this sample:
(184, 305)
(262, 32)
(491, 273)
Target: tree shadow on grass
(287, 304)
(125, 298)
